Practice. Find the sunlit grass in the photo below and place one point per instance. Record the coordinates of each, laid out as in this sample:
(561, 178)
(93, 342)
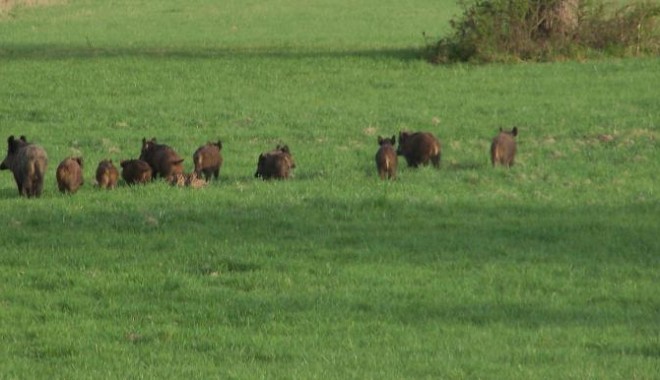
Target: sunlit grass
(545, 270)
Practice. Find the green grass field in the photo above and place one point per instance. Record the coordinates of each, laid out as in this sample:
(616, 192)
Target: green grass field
(547, 270)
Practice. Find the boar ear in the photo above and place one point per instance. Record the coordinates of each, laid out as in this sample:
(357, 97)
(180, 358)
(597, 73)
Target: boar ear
(393, 139)
(23, 138)
(380, 140)
(501, 129)
(285, 149)
(10, 139)
(80, 161)
(177, 162)
(144, 141)
(514, 131)
(219, 144)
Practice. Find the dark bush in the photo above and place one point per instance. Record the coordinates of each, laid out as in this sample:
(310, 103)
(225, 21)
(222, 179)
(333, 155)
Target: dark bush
(543, 30)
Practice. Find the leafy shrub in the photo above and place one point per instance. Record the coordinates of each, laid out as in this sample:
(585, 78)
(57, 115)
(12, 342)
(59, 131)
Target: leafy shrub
(541, 30)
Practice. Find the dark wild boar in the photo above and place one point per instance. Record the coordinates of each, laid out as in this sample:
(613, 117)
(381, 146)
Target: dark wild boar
(386, 159)
(70, 175)
(28, 163)
(107, 175)
(135, 171)
(275, 164)
(503, 148)
(164, 161)
(208, 160)
(419, 148)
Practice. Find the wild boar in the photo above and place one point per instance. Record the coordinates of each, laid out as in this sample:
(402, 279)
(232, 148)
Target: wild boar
(386, 159)
(208, 160)
(275, 164)
(135, 171)
(419, 148)
(107, 175)
(28, 162)
(503, 148)
(164, 161)
(69, 175)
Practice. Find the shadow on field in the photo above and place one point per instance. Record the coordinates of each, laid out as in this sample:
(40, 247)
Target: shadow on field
(55, 52)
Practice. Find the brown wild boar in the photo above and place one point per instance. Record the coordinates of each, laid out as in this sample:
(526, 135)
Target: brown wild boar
(208, 160)
(28, 163)
(164, 161)
(135, 171)
(503, 148)
(419, 148)
(386, 159)
(70, 175)
(107, 175)
(275, 164)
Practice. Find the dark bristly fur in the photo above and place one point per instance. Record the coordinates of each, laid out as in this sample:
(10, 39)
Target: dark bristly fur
(28, 163)
(208, 160)
(503, 148)
(164, 161)
(70, 175)
(107, 175)
(386, 159)
(135, 171)
(275, 164)
(419, 148)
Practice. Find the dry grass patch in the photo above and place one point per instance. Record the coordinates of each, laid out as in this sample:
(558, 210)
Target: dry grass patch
(8, 5)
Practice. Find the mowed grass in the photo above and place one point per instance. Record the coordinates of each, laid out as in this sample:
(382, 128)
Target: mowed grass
(546, 270)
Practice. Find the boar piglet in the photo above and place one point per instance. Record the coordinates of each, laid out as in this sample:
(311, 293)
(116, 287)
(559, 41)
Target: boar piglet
(386, 159)
(208, 160)
(70, 175)
(135, 171)
(107, 175)
(503, 148)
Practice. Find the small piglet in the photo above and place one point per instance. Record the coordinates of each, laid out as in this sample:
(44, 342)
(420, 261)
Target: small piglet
(106, 175)
(70, 175)
(208, 160)
(28, 163)
(386, 159)
(419, 148)
(135, 171)
(164, 161)
(503, 148)
(275, 164)
(187, 180)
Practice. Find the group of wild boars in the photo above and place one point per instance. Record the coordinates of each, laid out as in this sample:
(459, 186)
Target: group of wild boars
(418, 148)
(208, 160)
(503, 148)
(422, 148)
(69, 175)
(276, 164)
(164, 161)
(28, 163)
